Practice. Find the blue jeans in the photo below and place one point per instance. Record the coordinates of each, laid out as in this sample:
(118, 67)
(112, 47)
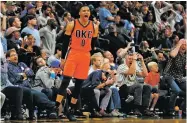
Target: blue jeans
(175, 90)
(48, 92)
(115, 101)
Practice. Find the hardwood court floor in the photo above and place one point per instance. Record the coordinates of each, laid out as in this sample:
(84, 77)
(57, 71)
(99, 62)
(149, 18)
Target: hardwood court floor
(105, 120)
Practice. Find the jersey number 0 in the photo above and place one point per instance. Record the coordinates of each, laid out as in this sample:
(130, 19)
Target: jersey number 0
(83, 42)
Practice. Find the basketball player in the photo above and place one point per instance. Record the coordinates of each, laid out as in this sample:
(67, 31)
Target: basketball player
(83, 34)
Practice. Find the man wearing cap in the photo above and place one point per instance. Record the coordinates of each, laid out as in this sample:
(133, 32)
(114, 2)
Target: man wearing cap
(10, 8)
(174, 74)
(30, 10)
(48, 79)
(12, 35)
(31, 23)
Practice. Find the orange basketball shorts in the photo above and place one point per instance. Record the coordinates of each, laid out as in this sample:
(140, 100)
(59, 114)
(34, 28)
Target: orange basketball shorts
(77, 64)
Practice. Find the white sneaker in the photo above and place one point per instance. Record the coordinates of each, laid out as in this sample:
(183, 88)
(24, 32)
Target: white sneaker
(114, 113)
(119, 114)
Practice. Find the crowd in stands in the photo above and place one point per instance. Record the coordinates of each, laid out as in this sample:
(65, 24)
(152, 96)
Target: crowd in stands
(139, 57)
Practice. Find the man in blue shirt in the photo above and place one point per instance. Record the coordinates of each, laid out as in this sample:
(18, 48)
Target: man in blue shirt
(105, 15)
(31, 23)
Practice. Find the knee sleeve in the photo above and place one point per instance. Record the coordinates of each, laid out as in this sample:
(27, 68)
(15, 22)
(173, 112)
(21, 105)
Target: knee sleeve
(77, 89)
(64, 85)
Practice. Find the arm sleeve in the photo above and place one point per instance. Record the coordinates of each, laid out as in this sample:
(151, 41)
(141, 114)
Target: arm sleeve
(65, 45)
(94, 40)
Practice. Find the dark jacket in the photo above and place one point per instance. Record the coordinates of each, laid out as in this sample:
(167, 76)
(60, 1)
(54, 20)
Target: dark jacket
(93, 80)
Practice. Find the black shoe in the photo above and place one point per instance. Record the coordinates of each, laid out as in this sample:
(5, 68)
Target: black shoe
(53, 115)
(137, 112)
(61, 116)
(149, 113)
(95, 114)
(71, 117)
(79, 114)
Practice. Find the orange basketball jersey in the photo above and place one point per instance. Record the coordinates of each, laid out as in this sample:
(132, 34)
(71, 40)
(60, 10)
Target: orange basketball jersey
(82, 36)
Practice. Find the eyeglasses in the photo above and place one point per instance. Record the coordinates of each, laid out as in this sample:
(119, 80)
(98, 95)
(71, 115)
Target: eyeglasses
(13, 55)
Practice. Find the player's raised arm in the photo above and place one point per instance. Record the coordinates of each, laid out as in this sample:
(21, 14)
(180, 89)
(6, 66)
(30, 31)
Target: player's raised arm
(96, 30)
(69, 28)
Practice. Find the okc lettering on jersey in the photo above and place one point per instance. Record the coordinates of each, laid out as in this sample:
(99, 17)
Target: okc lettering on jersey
(83, 34)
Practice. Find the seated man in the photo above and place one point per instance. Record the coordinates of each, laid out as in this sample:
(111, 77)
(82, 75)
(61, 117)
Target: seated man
(97, 82)
(127, 76)
(16, 95)
(48, 79)
(19, 74)
(115, 101)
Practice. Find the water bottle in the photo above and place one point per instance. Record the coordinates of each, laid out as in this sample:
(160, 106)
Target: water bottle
(52, 75)
(180, 113)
